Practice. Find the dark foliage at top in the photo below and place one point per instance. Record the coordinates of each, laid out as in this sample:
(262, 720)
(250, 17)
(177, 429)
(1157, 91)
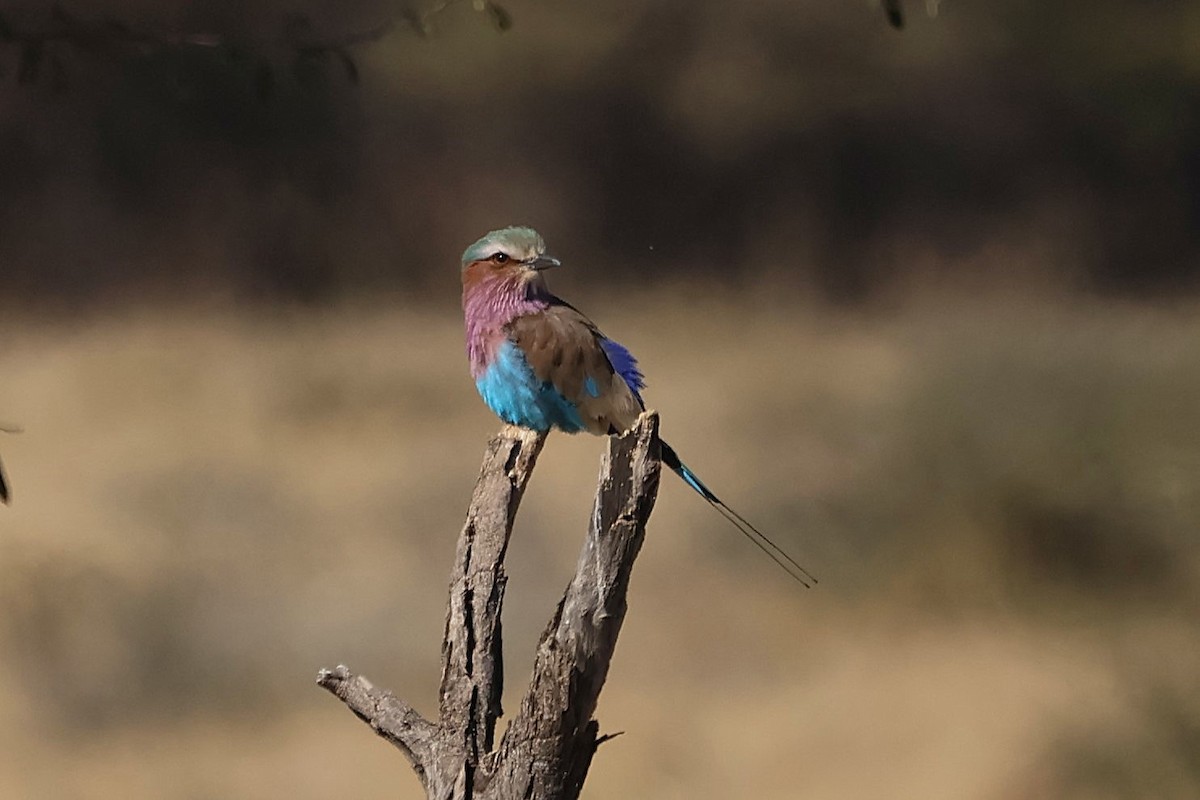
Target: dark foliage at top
(273, 150)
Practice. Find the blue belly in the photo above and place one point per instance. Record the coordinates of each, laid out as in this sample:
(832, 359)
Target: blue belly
(518, 397)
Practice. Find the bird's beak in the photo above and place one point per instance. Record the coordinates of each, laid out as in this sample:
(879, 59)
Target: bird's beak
(544, 262)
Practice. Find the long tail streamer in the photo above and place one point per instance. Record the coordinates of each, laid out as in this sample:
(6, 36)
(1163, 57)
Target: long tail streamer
(760, 540)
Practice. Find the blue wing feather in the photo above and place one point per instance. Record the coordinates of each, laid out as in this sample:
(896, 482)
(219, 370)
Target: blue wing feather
(625, 365)
(516, 395)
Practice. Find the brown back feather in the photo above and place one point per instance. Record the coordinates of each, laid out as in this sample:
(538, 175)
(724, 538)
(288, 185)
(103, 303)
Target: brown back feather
(563, 348)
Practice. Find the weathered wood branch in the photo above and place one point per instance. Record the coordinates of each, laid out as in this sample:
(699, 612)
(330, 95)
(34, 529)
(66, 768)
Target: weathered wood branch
(548, 747)
(472, 650)
(388, 715)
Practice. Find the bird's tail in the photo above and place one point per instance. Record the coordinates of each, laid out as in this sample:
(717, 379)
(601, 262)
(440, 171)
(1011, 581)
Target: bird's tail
(789, 564)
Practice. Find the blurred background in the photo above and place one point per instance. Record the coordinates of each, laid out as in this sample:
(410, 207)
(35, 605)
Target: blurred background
(921, 303)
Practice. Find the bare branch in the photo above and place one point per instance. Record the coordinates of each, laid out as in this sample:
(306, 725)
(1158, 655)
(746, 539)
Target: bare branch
(549, 746)
(472, 659)
(389, 716)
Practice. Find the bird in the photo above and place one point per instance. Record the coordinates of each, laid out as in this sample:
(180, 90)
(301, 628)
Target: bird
(540, 364)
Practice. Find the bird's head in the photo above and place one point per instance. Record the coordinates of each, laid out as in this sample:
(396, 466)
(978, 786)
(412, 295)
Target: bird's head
(516, 254)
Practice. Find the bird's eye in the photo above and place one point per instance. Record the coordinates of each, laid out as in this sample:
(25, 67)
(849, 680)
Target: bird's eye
(500, 258)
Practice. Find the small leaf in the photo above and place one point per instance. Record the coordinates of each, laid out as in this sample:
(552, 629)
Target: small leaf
(30, 62)
(500, 16)
(895, 13)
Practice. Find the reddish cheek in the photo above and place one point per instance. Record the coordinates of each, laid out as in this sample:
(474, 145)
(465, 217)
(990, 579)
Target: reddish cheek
(474, 273)
(485, 272)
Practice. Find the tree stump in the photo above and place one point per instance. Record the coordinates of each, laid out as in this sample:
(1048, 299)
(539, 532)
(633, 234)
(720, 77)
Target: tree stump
(547, 748)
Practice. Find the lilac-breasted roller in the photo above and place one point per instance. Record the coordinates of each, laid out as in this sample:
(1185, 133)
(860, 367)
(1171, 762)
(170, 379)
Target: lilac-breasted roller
(541, 364)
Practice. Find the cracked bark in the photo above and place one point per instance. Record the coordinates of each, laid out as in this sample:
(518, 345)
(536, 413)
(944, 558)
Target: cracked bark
(548, 746)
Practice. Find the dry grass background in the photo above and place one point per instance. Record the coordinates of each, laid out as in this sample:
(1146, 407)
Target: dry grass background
(1000, 493)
